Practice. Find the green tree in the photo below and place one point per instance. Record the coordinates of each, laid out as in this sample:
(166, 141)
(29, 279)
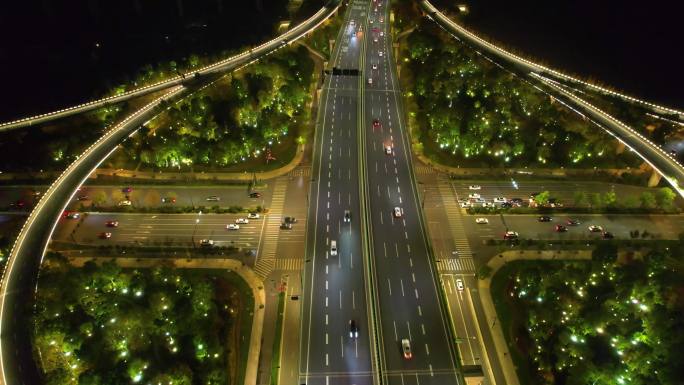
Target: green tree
(665, 198)
(610, 199)
(542, 198)
(648, 200)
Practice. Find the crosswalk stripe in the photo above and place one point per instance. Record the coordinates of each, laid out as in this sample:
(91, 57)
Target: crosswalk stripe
(458, 234)
(463, 264)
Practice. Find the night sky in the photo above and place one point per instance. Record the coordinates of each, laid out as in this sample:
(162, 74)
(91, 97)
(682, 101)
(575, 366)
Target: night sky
(635, 46)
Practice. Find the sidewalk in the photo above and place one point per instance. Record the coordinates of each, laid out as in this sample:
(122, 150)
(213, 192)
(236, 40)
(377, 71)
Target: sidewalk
(170, 176)
(227, 264)
(538, 172)
(507, 365)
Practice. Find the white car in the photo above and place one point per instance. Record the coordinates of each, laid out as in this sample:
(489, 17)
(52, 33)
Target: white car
(380, 53)
(370, 81)
(388, 150)
(333, 248)
(375, 66)
(481, 221)
(375, 40)
(206, 243)
(500, 200)
(398, 212)
(465, 205)
(242, 221)
(125, 203)
(474, 196)
(232, 226)
(459, 284)
(253, 216)
(474, 187)
(382, 33)
(406, 348)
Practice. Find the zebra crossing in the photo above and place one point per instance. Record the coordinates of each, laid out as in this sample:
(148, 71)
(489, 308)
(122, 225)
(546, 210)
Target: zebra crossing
(266, 257)
(465, 264)
(301, 171)
(289, 264)
(453, 212)
(423, 170)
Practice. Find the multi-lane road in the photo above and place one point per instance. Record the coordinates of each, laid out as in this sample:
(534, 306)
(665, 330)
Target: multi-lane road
(17, 363)
(334, 282)
(405, 283)
(354, 171)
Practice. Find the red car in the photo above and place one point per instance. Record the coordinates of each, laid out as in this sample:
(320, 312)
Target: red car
(255, 195)
(112, 223)
(376, 123)
(105, 235)
(561, 229)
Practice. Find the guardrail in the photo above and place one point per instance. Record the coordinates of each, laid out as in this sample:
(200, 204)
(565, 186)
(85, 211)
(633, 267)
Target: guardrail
(286, 38)
(661, 161)
(16, 361)
(535, 67)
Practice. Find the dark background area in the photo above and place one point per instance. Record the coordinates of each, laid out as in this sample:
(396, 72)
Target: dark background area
(50, 59)
(634, 46)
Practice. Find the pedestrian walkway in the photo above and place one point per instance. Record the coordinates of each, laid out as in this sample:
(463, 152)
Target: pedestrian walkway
(456, 265)
(424, 170)
(453, 212)
(265, 262)
(301, 171)
(289, 264)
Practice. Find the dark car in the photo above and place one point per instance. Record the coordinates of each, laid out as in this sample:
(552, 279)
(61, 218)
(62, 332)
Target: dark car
(82, 198)
(290, 220)
(347, 216)
(572, 222)
(353, 329)
(544, 218)
(506, 205)
(560, 229)
(126, 190)
(168, 200)
(112, 223)
(286, 226)
(607, 235)
(255, 194)
(376, 123)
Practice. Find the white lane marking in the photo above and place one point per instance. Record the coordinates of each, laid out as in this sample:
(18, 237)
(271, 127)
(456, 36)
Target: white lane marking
(427, 349)
(413, 277)
(326, 301)
(396, 337)
(420, 311)
(326, 318)
(384, 248)
(353, 300)
(416, 291)
(342, 346)
(408, 327)
(411, 262)
(340, 299)
(326, 284)
(326, 269)
(401, 282)
(326, 338)
(389, 286)
(327, 363)
(422, 328)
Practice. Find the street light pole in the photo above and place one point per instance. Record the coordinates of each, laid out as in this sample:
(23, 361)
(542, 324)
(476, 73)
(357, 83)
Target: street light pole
(197, 220)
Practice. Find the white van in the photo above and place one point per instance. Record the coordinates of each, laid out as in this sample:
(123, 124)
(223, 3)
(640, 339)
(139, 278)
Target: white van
(333, 248)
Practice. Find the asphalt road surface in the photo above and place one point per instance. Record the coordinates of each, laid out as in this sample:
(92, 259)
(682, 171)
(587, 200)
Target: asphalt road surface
(334, 284)
(168, 229)
(407, 291)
